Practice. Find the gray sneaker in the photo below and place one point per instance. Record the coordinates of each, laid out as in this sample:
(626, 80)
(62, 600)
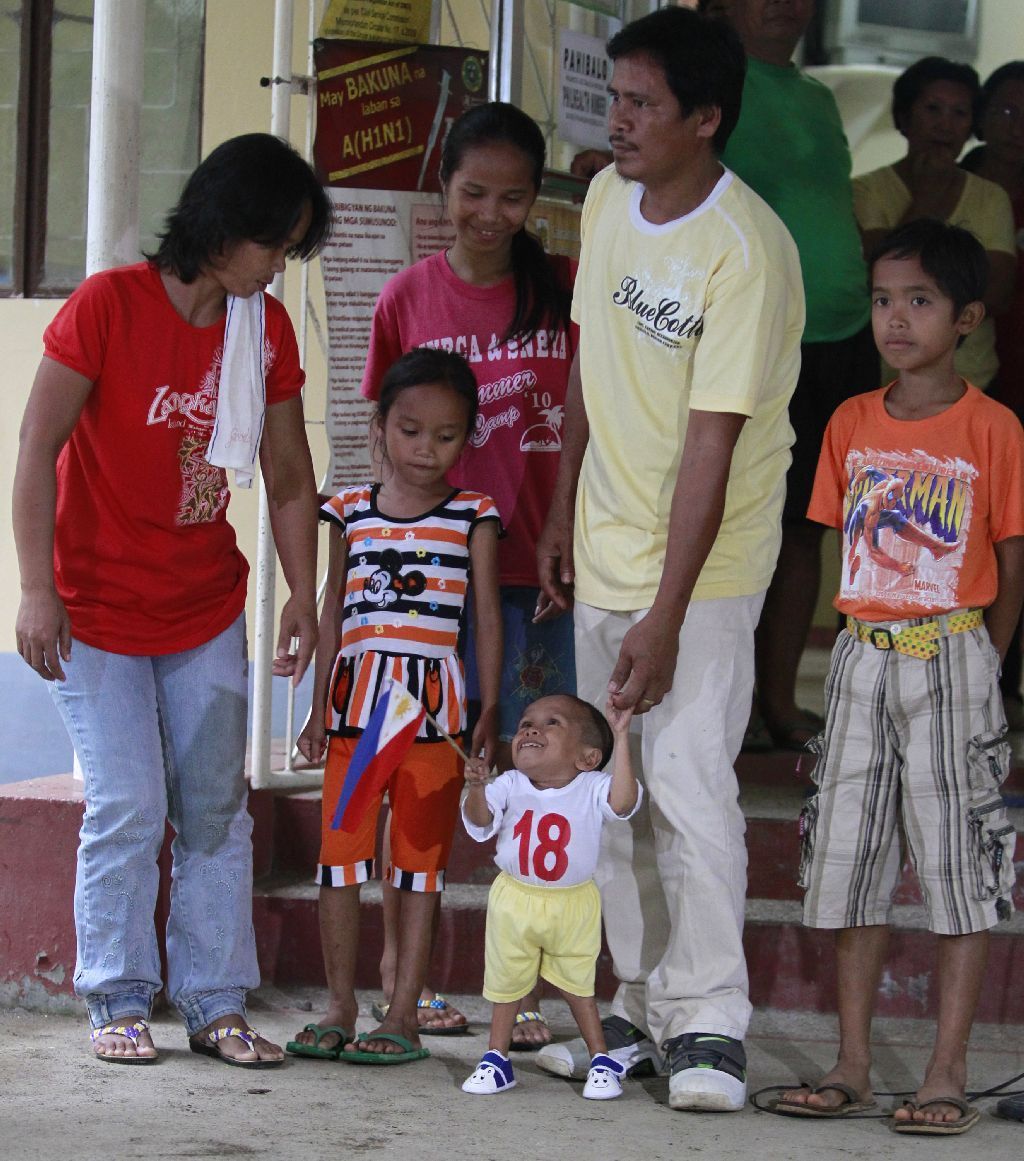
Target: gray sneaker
(708, 1072)
(627, 1045)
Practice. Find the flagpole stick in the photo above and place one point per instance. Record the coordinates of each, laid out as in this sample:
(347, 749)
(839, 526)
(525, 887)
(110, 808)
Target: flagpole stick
(452, 742)
(447, 737)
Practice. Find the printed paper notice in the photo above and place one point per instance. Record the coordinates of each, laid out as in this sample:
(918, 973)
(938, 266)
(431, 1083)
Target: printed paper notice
(584, 70)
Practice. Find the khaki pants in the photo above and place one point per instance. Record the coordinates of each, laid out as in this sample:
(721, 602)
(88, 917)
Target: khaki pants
(673, 882)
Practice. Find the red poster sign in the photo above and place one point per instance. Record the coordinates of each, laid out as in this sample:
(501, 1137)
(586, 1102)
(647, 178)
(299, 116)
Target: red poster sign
(383, 110)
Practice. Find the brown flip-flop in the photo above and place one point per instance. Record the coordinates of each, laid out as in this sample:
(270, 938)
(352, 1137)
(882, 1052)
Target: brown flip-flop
(851, 1104)
(969, 1115)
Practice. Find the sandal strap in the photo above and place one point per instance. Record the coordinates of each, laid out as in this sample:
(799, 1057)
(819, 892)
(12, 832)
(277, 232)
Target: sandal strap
(246, 1035)
(131, 1031)
(438, 1003)
(530, 1018)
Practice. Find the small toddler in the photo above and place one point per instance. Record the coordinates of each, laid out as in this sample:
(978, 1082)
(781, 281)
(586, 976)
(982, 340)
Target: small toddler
(544, 910)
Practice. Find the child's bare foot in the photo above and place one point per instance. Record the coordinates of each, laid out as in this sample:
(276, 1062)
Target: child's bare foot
(125, 1041)
(531, 1030)
(928, 1105)
(828, 1099)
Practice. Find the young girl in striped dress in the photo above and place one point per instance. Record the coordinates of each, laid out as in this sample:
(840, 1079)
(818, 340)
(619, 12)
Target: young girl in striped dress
(403, 555)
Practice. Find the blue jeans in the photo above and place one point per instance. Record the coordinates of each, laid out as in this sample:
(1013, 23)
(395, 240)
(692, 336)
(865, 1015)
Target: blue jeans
(162, 738)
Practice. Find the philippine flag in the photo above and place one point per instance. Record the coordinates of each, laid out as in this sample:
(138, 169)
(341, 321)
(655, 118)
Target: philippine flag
(389, 733)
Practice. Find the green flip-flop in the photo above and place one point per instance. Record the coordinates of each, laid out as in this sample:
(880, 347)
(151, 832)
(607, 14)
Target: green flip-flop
(406, 1056)
(296, 1048)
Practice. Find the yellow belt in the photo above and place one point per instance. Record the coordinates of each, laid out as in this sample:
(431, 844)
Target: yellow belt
(915, 640)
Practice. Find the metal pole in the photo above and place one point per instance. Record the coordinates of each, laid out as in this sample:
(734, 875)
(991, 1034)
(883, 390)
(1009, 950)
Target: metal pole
(507, 39)
(266, 558)
(112, 230)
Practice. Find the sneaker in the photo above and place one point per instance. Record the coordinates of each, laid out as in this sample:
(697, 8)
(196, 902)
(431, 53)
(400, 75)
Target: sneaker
(493, 1074)
(603, 1079)
(708, 1073)
(627, 1046)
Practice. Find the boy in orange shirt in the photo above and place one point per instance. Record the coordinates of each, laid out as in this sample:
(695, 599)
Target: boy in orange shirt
(914, 740)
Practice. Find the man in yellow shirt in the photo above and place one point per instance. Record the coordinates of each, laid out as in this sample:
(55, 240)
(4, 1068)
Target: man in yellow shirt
(666, 522)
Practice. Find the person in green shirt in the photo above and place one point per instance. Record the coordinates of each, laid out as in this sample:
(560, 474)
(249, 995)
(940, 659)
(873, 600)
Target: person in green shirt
(805, 177)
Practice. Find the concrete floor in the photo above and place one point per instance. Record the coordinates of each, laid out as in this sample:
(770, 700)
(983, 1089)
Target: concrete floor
(55, 1101)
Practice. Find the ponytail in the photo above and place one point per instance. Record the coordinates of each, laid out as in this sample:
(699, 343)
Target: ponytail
(541, 297)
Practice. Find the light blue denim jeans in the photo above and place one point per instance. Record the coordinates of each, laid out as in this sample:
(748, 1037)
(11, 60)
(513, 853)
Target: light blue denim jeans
(162, 738)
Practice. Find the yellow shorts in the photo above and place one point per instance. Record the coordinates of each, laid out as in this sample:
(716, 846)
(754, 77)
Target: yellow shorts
(553, 932)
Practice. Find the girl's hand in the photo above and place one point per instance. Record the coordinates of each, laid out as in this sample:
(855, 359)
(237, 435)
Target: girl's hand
(312, 742)
(546, 609)
(476, 772)
(485, 736)
(618, 719)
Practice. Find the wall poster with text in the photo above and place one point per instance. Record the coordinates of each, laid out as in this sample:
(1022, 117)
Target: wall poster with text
(383, 111)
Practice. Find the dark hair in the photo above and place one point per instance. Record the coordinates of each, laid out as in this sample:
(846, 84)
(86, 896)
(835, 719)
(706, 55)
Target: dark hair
(909, 85)
(540, 297)
(1011, 71)
(252, 188)
(951, 255)
(424, 365)
(702, 58)
(594, 728)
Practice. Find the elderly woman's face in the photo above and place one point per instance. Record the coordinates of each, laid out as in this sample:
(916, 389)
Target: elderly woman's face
(1003, 122)
(940, 119)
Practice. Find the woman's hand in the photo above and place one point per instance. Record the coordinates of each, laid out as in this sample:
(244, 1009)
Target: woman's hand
(43, 633)
(298, 623)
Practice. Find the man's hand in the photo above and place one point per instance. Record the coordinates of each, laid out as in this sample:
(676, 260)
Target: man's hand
(646, 666)
(555, 568)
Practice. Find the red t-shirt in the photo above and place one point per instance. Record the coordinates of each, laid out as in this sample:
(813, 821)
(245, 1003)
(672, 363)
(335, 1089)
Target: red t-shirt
(144, 558)
(513, 453)
(920, 503)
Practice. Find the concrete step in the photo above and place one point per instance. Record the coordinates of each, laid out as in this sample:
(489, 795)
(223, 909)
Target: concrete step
(771, 795)
(791, 968)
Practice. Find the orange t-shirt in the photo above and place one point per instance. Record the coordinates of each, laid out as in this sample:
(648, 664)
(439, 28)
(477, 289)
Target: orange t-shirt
(920, 503)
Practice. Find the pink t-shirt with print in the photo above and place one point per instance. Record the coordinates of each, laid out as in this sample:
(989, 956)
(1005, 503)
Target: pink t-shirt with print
(513, 453)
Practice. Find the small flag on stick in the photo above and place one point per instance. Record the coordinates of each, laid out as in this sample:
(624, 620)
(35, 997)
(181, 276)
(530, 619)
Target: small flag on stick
(387, 738)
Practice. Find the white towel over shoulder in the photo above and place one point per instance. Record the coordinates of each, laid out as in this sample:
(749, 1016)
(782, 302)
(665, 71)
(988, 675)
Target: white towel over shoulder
(242, 393)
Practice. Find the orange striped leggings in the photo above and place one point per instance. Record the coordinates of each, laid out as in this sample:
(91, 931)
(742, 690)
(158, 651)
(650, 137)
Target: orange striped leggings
(424, 796)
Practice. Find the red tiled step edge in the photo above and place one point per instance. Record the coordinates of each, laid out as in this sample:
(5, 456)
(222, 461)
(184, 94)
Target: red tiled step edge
(791, 967)
(772, 844)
